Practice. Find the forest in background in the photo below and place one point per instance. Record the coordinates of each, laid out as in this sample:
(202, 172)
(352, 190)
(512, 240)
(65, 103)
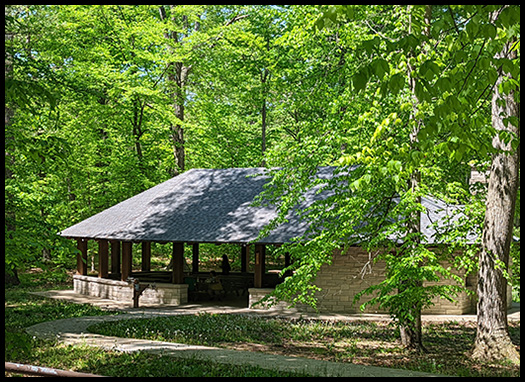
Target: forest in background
(105, 101)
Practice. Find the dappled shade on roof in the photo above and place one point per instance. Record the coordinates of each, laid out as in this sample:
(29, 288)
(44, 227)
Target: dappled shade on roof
(200, 205)
(214, 206)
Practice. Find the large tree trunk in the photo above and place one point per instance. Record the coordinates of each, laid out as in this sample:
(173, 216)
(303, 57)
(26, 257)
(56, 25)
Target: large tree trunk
(178, 79)
(492, 339)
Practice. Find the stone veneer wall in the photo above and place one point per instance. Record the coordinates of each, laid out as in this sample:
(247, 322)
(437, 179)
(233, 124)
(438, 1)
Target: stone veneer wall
(354, 271)
(166, 294)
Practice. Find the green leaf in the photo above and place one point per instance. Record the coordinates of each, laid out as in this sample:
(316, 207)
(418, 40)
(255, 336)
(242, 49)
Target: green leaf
(489, 31)
(319, 23)
(509, 17)
(380, 67)
(429, 69)
(331, 14)
(397, 82)
(444, 84)
(421, 93)
(350, 12)
(472, 28)
(394, 166)
(359, 81)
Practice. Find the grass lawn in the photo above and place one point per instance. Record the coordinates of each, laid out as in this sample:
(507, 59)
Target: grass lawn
(366, 343)
(23, 310)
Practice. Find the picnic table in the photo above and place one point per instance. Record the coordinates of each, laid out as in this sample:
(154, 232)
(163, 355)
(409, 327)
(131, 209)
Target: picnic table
(198, 285)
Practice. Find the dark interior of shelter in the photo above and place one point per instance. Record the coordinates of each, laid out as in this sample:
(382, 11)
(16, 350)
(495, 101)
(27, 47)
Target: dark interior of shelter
(222, 275)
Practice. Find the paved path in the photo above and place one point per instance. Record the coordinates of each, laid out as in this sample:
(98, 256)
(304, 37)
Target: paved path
(74, 331)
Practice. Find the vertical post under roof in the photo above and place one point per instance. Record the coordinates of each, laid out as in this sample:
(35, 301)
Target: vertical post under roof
(287, 263)
(178, 264)
(260, 260)
(195, 258)
(103, 258)
(245, 257)
(82, 257)
(127, 247)
(146, 256)
(115, 256)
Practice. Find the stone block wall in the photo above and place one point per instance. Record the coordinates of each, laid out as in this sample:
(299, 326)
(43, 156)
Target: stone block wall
(354, 271)
(348, 275)
(165, 294)
(257, 294)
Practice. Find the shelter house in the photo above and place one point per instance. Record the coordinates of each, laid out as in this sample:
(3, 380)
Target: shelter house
(216, 206)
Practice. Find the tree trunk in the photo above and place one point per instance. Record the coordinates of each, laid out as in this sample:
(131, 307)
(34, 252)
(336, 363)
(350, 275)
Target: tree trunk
(10, 272)
(177, 76)
(411, 332)
(178, 81)
(492, 338)
(11, 277)
(138, 114)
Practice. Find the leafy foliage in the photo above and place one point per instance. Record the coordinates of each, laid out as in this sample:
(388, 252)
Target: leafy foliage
(423, 87)
(386, 91)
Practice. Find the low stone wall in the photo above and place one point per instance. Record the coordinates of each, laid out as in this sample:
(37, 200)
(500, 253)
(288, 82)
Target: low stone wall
(166, 294)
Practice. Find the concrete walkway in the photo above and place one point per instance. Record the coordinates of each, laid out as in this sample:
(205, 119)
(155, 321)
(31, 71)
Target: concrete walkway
(74, 331)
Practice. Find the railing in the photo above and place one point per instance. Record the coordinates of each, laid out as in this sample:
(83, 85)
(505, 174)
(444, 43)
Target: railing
(43, 371)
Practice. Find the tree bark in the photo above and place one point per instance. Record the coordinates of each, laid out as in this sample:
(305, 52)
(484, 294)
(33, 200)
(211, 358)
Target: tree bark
(177, 76)
(492, 338)
(411, 333)
(10, 272)
(138, 114)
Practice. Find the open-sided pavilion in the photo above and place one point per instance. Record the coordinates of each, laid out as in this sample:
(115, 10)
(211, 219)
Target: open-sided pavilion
(198, 206)
(216, 206)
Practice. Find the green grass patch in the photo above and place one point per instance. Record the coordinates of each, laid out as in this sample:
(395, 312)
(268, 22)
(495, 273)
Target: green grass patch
(366, 343)
(23, 309)
(212, 329)
(117, 364)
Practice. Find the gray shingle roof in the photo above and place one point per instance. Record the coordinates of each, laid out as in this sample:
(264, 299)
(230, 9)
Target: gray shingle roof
(200, 205)
(210, 206)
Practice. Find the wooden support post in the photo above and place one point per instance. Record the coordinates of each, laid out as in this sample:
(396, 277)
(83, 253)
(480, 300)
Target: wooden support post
(287, 259)
(245, 258)
(115, 256)
(82, 257)
(260, 259)
(103, 258)
(146, 256)
(127, 248)
(195, 258)
(287, 263)
(178, 263)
